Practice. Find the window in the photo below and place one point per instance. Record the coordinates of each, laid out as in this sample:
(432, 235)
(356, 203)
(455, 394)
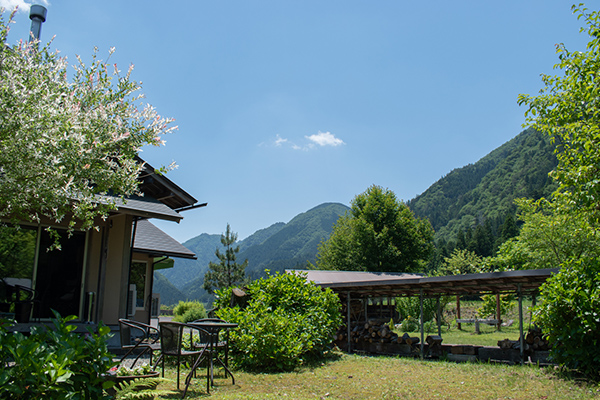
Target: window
(56, 276)
(137, 277)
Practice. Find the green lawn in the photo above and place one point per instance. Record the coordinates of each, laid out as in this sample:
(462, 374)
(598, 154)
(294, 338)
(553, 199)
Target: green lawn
(363, 377)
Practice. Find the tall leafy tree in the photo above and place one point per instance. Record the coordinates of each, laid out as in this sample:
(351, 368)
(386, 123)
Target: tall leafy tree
(64, 141)
(379, 233)
(568, 109)
(227, 272)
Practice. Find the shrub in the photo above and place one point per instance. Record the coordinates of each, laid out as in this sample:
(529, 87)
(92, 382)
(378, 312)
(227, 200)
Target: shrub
(286, 322)
(409, 324)
(488, 307)
(411, 307)
(187, 311)
(569, 311)
(53, 363)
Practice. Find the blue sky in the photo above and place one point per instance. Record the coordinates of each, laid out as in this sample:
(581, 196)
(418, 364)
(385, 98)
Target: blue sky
(284, 105)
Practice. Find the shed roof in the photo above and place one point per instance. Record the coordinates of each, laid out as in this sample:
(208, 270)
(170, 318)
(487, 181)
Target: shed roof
(390, 285)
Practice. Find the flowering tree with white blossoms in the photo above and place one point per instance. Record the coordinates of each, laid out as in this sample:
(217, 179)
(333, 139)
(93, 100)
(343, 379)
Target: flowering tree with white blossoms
(64, 142)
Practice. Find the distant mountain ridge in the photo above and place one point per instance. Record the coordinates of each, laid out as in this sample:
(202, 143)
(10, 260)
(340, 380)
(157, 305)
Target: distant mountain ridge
(276, 248)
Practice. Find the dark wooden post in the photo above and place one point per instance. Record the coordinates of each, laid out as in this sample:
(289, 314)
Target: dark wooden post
(422, 327)
(439, 317)
(521, 341)
(348, 323)
(458, 311)
(498, 311)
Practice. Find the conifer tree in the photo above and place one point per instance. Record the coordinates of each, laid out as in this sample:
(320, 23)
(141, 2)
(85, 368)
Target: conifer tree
(227, 272)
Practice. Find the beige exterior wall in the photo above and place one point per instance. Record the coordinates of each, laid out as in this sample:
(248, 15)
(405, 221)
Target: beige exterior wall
(112, 299)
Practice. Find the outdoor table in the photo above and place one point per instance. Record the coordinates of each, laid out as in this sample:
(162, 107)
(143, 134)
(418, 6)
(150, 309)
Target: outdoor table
(213, 328)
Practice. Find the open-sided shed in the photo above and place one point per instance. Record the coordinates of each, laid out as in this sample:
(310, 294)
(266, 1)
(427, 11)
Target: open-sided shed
(352, 285)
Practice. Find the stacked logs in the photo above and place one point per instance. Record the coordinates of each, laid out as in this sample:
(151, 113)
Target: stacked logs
(537, 340)
(375, 331)
(534, 340)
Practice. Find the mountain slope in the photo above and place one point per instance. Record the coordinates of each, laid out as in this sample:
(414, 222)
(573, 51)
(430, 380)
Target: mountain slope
(278, 247)
(185, 270)
(486, 190)
(169, 294)
(296, 243)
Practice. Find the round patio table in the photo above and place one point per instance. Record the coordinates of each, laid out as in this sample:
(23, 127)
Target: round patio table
(213, 328)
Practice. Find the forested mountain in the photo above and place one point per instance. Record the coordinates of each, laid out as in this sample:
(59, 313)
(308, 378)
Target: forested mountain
(169, 294)
(276, 248)
(482, 194)
(185, 270)
(296, 243)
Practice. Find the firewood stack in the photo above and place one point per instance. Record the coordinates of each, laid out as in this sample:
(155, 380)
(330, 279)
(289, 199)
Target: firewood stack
(537, 340)
(375, 331)
(534, 340)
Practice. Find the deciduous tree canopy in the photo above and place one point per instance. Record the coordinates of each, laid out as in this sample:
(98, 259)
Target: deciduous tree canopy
(379, 233)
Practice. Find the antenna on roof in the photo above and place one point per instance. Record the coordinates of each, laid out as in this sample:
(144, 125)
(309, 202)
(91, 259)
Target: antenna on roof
(37, 15)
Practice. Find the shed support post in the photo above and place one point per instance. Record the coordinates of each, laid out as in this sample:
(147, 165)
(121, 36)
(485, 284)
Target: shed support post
(521, 341)
(458, 311)
(366, 303)
(422, 326)
(348, 323)
(439, 317)
(498, 313)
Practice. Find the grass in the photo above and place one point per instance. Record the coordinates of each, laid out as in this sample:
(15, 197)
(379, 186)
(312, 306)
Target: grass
(489, 335)
(362, 377)
(350, 377)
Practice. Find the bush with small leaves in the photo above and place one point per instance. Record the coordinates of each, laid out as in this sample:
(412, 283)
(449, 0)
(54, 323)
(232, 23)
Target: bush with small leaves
(286, 322)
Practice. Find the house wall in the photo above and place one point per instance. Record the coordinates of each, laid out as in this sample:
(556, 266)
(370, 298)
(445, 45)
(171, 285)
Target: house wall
(112, 293)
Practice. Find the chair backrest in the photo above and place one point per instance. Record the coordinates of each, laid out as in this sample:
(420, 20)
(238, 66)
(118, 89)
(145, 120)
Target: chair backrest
(125, 332)
(171, 337)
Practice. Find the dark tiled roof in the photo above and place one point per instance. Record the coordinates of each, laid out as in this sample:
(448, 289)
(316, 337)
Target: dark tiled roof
(151, 240)
(146, 207)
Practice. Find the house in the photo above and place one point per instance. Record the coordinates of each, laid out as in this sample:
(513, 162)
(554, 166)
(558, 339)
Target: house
(91, 276)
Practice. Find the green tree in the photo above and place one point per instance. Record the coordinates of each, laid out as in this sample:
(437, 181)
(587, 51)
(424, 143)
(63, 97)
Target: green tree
(461, 262)
(568, 110)
(379, 233)
(227, 272)
(66, 141)
(548, 238)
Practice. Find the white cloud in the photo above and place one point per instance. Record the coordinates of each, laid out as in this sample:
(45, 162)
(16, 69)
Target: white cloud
(23, 5)
(325, 139)
(321, 139)
(279, 141)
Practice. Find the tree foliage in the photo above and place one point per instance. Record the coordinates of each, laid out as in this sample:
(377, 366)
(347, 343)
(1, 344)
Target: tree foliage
(379, 233)
(287, 322)
(227, 272)
(568, 110)
(548, 238)
(66, 141)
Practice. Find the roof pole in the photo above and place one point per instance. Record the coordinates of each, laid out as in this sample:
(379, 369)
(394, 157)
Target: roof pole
(521, 342)
(348, 323)
(439, 316)
(422, 326)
